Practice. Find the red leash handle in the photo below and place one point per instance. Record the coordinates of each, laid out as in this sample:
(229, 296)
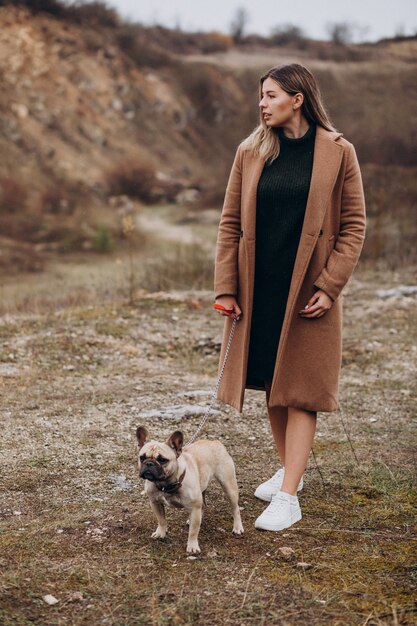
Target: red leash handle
(220, 307)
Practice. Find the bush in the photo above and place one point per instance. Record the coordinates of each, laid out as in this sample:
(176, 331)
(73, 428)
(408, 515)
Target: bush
(182, 266)
(93, 13)
(288, 35)
(13, 195)
(134, 43)
(135, 179)
(102, 241)
(54, 7)
(215, 42)
(53, 200)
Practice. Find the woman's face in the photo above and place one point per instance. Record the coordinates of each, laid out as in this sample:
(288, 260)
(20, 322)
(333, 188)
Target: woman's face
(277, 106)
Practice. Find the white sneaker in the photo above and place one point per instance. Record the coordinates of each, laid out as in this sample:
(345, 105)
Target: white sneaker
(283, 511)
(270, 487)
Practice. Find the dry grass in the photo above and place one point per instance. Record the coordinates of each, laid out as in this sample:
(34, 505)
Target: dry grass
(74, 383)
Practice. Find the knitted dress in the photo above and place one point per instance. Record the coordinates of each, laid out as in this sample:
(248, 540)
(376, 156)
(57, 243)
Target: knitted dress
(280, 207)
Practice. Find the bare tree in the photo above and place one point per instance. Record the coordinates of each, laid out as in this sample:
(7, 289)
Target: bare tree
(344, 33)
(239, 23)
(287, 34)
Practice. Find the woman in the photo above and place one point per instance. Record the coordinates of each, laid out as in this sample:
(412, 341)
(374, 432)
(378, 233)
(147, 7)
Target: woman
(290, 234)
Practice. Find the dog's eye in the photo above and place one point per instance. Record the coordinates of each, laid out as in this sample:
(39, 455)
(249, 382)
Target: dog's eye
(142, 457)
(162, 459)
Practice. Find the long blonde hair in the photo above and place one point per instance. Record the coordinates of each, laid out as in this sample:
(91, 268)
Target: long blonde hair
(293, 78)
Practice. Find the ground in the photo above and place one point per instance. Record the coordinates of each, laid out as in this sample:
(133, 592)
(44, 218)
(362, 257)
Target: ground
(75, 523)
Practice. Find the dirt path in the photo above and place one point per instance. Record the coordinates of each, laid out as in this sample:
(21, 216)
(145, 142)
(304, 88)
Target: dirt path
(75, 522)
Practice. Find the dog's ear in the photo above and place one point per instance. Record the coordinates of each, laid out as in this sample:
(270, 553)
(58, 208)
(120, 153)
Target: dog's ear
(141, 435)
(175, 441)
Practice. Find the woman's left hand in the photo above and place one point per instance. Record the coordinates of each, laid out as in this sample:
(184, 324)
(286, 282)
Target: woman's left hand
(317, 306)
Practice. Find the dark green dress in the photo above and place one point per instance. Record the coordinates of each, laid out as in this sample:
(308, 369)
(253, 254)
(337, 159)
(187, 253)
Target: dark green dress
(280, 207)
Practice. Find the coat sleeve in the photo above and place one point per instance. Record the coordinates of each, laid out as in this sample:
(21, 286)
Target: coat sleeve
(348, 246)
(227, 246)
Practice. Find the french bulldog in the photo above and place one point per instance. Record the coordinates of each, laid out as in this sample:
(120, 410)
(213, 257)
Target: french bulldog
(179, 478)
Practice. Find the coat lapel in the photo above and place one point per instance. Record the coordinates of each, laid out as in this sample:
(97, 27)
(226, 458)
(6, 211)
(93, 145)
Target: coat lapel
(254, 174)
(326, 165)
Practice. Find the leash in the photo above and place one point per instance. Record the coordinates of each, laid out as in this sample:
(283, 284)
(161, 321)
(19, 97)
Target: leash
(214, 395)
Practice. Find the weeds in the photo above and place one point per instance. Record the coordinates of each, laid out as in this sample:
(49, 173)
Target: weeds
(181, 266)
(102, 241)
(67, 531)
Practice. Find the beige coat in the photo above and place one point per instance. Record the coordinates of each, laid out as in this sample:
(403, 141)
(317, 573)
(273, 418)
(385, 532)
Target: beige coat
(307, 367)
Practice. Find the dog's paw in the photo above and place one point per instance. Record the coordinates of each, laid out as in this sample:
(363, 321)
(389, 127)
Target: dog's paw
(193, 547)
(159, 533)
(238, 530)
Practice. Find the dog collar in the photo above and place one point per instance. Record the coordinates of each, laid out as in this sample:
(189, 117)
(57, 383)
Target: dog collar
(172, 487)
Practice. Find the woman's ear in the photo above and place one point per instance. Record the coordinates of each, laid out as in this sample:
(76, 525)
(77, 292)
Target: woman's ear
(298, 100)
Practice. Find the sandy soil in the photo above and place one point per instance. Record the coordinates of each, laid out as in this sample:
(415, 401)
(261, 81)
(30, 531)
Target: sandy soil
(75, 382)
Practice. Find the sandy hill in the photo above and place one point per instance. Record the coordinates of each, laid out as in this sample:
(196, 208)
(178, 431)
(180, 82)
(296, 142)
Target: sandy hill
(91, 111)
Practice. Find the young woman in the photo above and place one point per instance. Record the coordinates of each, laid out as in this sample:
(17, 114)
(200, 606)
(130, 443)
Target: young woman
(290, 234)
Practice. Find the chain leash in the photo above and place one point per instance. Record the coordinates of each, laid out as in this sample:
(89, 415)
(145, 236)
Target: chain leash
(214, 395)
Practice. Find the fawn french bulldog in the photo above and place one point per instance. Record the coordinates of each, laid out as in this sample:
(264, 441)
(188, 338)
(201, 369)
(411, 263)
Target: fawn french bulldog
(179, 478)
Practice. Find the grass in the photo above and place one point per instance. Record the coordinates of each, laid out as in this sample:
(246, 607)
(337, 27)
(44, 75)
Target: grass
(68, 530)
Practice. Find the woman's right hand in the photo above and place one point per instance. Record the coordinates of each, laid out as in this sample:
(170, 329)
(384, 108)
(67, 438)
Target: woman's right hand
(229, 302)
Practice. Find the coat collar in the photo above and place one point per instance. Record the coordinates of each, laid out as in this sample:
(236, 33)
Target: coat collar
(326, 164)
(327, 159)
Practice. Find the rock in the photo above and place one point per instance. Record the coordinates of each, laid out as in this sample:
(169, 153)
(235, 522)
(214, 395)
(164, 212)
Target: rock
(212, 554)
(120, 482)
(396, 292)
(20, 110)
(178, 412)
(208, 345)
(77, 596)
(93, 133)
(122, 203)
(196, 392)
(49, 599)
(303, 565)
(286, 551)
(187, 196)
(117, 104)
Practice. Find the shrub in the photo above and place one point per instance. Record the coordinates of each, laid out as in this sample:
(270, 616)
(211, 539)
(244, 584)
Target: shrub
(102, 241)
(54, 7)
(288, 35)
(182, 266)
(53, 200)
(134, 43)
(135, 179)
(13, 195)
(93, 13)
(215, 42)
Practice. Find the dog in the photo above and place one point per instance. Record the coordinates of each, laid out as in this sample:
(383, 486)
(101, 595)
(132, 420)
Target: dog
(179, 478)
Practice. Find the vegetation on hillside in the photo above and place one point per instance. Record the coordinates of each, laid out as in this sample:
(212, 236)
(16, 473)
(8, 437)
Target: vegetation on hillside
(93, 108)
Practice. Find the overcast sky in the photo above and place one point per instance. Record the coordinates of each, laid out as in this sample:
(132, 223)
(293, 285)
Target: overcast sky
(379, 18)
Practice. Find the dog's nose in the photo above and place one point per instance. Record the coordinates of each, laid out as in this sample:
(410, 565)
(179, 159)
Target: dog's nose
(150, 463)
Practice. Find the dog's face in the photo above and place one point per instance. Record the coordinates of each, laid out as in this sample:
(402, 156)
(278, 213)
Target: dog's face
(158, 461)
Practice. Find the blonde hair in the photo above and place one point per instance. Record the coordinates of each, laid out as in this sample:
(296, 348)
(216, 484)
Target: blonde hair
(293, 78)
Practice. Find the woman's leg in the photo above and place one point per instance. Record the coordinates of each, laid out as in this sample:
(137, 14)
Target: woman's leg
(299, 435)
(278, 419)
